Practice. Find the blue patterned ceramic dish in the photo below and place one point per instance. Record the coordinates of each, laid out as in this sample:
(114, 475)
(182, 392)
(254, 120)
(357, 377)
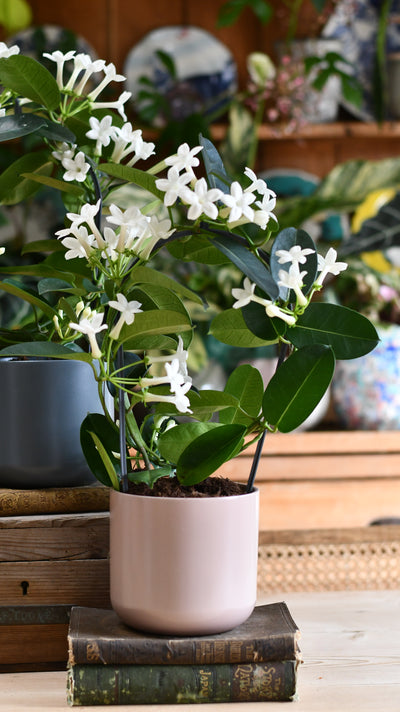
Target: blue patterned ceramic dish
(206, 74)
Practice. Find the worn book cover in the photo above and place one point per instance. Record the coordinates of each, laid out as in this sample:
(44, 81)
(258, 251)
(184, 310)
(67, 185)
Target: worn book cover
(54, 500)
(174, 684)
(98, 636)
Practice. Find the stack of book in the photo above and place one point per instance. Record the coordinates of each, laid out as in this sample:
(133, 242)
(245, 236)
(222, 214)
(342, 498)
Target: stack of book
(110, 663)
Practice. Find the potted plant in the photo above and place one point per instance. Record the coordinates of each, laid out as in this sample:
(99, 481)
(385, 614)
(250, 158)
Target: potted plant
(102, 303)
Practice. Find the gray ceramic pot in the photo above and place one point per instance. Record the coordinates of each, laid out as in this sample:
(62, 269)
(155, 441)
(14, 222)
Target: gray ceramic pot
(42, 405)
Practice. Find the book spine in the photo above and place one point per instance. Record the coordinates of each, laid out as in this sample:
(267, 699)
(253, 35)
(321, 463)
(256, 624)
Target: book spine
(53, 501)
(176, 684)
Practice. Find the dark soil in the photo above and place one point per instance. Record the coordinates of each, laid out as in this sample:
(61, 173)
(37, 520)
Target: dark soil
(170, 487)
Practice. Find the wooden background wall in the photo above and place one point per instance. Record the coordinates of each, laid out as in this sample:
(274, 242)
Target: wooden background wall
(113, 27)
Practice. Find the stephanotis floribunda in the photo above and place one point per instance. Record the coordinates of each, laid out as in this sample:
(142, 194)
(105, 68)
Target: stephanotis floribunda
(100, 300)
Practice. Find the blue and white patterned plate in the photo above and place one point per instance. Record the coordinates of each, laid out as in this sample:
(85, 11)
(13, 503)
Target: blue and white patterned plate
(206, 73)
(355, 24)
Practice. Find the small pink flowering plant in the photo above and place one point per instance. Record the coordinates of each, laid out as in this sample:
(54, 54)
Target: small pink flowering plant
(99, 299)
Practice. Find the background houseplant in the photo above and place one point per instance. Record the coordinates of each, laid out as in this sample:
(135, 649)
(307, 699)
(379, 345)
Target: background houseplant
(99, 301)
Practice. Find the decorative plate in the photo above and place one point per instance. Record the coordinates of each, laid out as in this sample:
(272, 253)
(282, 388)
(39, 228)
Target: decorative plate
(355, 24)
(286, 183)
(205, 71)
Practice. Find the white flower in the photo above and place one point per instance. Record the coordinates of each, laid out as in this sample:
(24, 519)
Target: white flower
(2, 113)
(6, 51)
(202, 200)
(257, 184)
(76, 168)
(111, 245)
(184, 159)
(118, 104)
(142, 150)
(91, 67)
(78, 242)
(101, 132)
(81, 61)
(128, 311)
(296, 255)
(156, 230)
(133, 224)
(328, 265)
(91, 326)
(180, 355)
(179, 399)
(110, 76)
(273, 310)
(293, 280)
(124, 138)
(2, 250)
(60, 58)
(172, 185)
(243, 296)
(87, 215)
(65, 150)
(239, 203)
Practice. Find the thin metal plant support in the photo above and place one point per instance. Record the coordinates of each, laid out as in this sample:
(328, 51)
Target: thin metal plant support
(257, 454)
(120, 362)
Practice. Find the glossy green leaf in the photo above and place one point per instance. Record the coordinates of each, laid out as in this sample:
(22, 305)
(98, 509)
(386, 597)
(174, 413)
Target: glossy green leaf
(29, 297)
(173, 442)
(45, 349)
(216, 174)
(349, 333)
(297, 387)
(99, 440)
(146, 275)
(30, 79)
(13, 186)
(261, 324)
(50, 245)
(230, 328)
(151, 323)
(60, 185)
(206, 403)
(285, 240)
(50, 285)
(16, 126)
(246, 384)
(248, 263)
(197, 248)
(208, 452)
(150, 477)
(57, 132)
(132, 175)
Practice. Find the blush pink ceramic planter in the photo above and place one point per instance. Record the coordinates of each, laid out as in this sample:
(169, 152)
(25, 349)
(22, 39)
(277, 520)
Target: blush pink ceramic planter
(183, 566)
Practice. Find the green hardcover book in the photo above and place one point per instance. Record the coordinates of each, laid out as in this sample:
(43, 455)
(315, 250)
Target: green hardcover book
(175, 684)
(98, 636)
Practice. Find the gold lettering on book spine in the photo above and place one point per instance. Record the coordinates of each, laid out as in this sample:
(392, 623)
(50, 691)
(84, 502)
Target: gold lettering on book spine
(205, 678)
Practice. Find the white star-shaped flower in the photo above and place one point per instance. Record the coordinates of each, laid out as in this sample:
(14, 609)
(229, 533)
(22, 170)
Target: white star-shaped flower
(328, 265)
(243, 296)
(239, 203)
(202, 200)
(76, 168)
(184, 159)
(173, 185)
(91, 326)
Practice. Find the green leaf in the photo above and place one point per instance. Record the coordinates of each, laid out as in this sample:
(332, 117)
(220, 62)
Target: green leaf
(29, 297)
(52, 284)
(56, 132)
(377, 233)
(197, 249)
(146, 275)
(14, 188)
(99, 440)
(173, 442)
(50, 245)
(206, 403)
(208, 452)
(55, 183)
(248, 263)
(132, 175)
(230, 328)
(349, 333)
(14, 126)
(150, 477)
(30, 79)
(216, 174)
(261, 324)
(246, 385)
(168, 62)
(297, 387)
(151, 323)
(45, 349)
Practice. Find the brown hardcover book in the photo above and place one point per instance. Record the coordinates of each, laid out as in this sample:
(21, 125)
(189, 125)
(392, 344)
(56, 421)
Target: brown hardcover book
(98, 636)
(54, 500)
(172, 684)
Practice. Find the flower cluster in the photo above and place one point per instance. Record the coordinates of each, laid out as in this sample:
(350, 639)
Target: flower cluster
(101, 300)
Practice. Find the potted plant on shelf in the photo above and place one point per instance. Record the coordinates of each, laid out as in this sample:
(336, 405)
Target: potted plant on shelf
(185, 561)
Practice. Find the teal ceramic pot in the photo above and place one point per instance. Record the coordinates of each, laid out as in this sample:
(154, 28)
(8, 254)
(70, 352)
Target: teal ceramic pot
(366, 391)
(42, 405)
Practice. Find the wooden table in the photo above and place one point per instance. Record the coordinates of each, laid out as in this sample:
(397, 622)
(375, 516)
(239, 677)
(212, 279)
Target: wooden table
(350, 644)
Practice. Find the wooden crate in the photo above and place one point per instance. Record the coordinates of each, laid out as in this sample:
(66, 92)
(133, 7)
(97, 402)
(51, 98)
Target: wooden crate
(48, 563)
(314, 480)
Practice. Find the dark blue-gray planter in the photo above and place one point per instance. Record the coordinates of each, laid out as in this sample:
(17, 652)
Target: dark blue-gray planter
(42, 406)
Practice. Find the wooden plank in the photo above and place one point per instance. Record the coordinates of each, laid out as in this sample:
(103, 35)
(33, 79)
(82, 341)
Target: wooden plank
(348, 535)
(54, 537)
(330, 442)
(329, 504)
(83, 583)
(33, 644)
